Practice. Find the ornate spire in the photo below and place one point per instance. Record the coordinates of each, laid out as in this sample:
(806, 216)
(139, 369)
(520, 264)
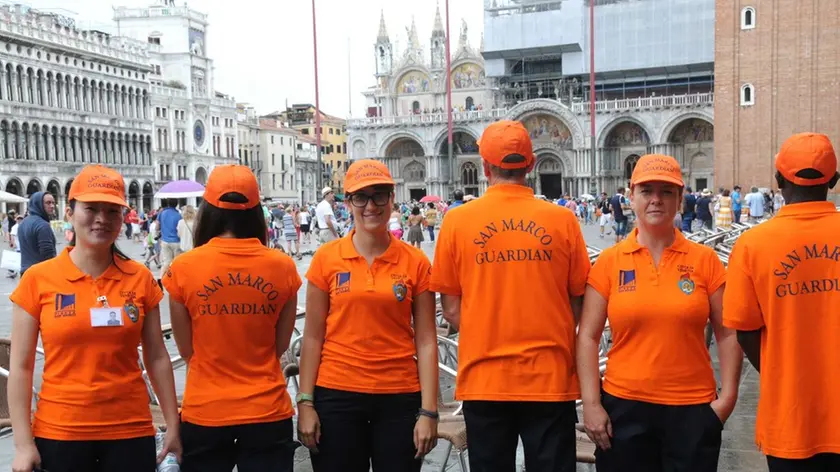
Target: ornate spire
(438, 23)
(463, 40)
(413, 40)
(481, 47)
(383, 31)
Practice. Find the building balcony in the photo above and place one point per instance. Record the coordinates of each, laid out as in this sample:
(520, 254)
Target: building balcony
(165, 91)
(223, 103)
(158, 11)
(45, 28)
(646, 103)
(426, 119)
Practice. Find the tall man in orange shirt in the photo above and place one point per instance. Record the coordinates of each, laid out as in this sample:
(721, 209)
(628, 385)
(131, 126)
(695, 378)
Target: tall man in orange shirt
(782, 295)
(511, 271)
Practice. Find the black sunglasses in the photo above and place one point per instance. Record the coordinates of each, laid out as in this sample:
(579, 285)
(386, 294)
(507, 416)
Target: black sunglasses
(360, 200)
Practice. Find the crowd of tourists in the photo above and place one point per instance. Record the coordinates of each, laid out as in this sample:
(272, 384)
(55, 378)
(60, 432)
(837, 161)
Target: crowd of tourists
(699, 209)
(515, 280)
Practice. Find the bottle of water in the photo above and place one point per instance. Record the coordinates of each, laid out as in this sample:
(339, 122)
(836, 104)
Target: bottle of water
(170, 462)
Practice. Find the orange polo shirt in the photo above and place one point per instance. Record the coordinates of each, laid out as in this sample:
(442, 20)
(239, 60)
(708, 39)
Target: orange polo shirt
(515, 261)
(658, 316)
(784, 279)
(92, 387)
(369, 342)
(234, 290)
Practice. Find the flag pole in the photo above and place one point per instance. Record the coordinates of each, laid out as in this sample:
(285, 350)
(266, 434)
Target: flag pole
(449, 103)
(592, 157)
(320, 178)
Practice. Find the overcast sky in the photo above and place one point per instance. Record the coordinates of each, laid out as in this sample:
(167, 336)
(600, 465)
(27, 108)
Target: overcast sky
(262, 50)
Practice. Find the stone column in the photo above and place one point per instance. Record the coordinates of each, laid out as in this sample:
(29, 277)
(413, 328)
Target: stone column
(24, 86)
(87, 153)
(30, 144)
(49, 150)
(41, 82)
(44, 144)
(51, 93)
(96, 149)
(21, 143)
(79, 147)
(15, 91)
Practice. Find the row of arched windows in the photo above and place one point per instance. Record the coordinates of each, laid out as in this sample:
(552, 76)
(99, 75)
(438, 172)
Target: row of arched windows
(38, 142)
(57, 90)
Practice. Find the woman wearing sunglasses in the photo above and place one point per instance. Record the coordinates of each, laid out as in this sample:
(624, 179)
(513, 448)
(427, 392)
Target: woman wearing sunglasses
(365, 401)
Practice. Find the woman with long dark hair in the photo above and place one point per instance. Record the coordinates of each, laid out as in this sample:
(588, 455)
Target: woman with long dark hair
(364, 400)
(92, 307)
(233, 303)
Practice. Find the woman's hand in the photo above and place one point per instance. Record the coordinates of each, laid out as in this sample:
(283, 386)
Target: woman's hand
(309, 426)
(597, 423)
(425, 436)
(171, 444)
(26, 458)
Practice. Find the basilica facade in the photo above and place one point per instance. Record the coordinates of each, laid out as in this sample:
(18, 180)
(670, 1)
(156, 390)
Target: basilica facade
(406, 125)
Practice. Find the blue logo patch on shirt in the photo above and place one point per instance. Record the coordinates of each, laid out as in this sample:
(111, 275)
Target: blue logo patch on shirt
(342, 278)
(626, 280)
(65, 305)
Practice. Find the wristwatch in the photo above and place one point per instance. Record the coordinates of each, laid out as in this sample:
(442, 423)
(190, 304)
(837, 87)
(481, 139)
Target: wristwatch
(428, 413)
(304, 397)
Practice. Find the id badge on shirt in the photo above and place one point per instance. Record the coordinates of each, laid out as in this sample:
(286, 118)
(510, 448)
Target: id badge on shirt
(107, 316)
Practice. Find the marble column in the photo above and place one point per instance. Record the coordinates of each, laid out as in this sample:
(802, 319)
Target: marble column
(51, 90)
(15, 90)
(40, 143)
(27, 91)
(30, 144)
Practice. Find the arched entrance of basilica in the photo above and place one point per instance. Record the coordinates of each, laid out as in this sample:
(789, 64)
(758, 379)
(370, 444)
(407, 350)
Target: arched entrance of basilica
(630, 165)
(469, 179)
(407, 157)
(549, 178)
(415, 180)
(693, 142)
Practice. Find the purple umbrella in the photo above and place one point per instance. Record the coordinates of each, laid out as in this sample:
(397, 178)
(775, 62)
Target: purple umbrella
(180, 189)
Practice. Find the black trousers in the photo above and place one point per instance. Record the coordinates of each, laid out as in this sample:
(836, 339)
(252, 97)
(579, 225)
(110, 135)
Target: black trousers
(648, 437)
(817, 463)
(124, 455)
(547, 430)
(256, 447)
(360, 430)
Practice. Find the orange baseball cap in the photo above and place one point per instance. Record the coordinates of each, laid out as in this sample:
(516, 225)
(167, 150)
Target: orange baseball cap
(503, 139)
(365, 173)
(97, 183)
(807, 151)
(657, 168)
(232, 178)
